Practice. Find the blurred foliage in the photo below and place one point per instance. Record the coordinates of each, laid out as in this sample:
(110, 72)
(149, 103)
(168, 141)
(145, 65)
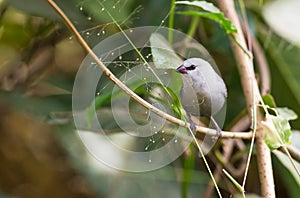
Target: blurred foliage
(41, 153)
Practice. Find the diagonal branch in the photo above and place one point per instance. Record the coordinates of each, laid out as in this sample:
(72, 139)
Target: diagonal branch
(112, 77)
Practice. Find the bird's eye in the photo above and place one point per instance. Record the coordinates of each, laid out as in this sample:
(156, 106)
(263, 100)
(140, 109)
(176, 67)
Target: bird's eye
(192, 67)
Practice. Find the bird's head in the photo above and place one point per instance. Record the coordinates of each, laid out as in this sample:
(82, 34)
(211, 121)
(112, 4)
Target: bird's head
(189, 65)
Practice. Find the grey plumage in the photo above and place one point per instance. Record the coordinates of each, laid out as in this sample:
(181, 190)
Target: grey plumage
(203, 92)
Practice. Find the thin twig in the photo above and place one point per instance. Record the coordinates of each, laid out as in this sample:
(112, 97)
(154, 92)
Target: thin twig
(254, 115)
(259, 55)
(291, 159)
(294, 152)
(205, 162)
(218, 171)
(246, 25)
(111, 76)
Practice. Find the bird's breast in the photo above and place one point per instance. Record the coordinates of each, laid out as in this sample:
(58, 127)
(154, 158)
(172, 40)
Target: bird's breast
(203, 96)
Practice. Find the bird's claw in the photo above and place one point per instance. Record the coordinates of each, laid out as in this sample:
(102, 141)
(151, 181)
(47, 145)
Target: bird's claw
(192, 124)
(218, 129)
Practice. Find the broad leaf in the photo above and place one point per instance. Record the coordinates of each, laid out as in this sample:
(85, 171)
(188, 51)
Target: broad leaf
(269, 100)
(201, 4)
(286, 170)
(211, 12)
(277, 127)
(277, 131)
(163, 55)
(287, 113)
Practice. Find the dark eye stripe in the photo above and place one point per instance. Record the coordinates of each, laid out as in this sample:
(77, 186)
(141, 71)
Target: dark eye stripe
(192, 67)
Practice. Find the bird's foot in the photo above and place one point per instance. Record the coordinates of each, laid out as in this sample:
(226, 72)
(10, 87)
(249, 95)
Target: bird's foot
(192, 124)
(218, 129)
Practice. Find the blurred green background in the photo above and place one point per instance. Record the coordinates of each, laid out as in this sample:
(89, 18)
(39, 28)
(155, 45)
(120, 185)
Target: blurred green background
(41, 154)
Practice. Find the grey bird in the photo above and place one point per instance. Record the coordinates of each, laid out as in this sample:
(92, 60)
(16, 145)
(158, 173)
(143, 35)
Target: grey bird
(203, 92)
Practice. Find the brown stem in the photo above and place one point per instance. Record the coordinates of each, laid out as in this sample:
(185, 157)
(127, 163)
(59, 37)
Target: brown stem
(294, 152)
(133, 95)
(265, 171)
(253, 97)
(263, 67)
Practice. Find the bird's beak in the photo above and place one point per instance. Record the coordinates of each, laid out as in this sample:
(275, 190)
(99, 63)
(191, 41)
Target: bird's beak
(181, 69)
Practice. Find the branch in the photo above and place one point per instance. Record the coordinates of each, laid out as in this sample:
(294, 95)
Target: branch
(294, 152)
(265, 170)
(112, 77)
(262, 66)
(251, 92)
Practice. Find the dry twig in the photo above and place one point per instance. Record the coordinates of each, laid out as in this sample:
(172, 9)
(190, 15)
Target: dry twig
(112, 77)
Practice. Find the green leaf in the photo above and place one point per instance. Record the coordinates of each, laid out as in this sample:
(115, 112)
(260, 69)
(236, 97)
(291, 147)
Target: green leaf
(210, 12)
(201, 4)
(173, 102)
(287, 113)
(284, 112)
(277, 127)
(269, 100)
(163, 55)
(277, 131)
(285, 169)
(215, 14)
(225, 24)
(98, 102)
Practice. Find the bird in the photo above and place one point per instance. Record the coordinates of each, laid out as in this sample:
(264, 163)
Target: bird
(203, 91)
